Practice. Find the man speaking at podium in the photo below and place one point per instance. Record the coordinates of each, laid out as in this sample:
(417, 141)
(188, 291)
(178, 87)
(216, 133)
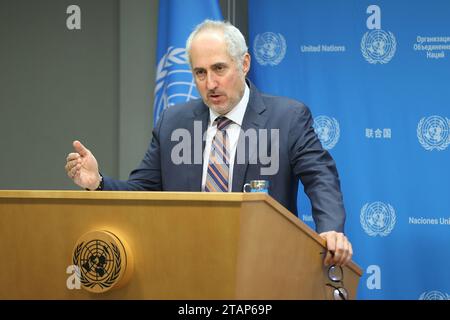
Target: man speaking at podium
(231, 109)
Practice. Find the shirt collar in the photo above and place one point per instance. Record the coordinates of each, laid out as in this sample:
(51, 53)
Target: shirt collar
(237, 113)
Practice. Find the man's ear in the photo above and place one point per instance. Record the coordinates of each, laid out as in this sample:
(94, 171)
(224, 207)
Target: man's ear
(246, 64)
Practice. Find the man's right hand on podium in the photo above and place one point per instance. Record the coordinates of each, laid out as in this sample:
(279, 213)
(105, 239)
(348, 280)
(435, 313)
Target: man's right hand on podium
(82, 168)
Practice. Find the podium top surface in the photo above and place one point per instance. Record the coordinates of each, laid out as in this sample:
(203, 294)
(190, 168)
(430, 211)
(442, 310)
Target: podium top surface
(135, 195)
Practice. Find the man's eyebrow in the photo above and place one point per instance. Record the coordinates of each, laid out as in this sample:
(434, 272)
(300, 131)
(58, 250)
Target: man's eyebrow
(215, 65)
(219, 64)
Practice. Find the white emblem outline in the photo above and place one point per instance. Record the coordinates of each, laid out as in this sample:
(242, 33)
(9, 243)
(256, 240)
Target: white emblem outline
(434, 295)
(380, 60)
(365, 224)
(277, 57)
(425, 144)
(323, 121)
(173, 56)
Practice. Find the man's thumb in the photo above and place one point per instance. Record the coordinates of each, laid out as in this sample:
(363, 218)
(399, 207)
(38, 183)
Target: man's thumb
(78, 146)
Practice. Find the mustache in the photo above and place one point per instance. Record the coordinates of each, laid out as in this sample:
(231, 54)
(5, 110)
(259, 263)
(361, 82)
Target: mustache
(215, 92)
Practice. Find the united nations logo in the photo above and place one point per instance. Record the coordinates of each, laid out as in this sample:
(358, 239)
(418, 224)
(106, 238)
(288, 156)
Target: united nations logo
(434, 295)
(378, 46)
(434, 133)
(377, 218)
(269, 48)
(327, 129)
(174, 81)
(102, 260)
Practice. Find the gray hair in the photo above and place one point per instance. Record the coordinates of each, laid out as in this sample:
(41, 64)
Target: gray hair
(236, 46)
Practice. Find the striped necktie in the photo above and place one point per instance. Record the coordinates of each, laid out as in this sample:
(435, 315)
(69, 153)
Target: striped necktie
(219, 159)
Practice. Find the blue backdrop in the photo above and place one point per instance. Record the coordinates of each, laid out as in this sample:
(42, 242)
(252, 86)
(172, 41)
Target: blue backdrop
(376, 76)
(176, 20)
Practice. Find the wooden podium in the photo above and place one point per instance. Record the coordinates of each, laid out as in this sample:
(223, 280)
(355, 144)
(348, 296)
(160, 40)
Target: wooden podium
(178, 246)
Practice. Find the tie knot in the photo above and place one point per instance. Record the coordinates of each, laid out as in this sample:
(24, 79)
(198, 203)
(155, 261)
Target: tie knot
(223, 123)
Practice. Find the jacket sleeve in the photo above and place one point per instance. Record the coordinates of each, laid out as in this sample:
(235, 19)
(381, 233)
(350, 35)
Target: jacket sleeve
(317, 171)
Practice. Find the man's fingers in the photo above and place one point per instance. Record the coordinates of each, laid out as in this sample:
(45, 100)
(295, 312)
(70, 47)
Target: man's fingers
(350, 254)
(78, 147)
(330, 237)
(328, 258)
(70, 173)
(330, 243)
(72, 156)
(72, 163)
(339, 249)
(344, 251)
(73, 171)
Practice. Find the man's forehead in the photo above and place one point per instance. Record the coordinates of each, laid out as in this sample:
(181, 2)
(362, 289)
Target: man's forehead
(210, 59)
(209, 34)
(209, 49)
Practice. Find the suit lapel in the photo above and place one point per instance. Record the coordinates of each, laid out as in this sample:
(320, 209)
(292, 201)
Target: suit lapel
(200, 118)
(255, 118)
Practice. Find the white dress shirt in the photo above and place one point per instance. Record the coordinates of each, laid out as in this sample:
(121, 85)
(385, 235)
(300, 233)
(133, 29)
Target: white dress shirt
(233, 130)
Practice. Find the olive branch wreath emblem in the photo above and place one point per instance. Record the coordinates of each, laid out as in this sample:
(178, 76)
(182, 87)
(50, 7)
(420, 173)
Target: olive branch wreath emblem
(110, 280)
(424, 143)
(384, 60)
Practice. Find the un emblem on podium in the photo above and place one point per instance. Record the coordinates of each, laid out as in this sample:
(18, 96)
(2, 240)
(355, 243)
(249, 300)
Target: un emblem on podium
(103, 261)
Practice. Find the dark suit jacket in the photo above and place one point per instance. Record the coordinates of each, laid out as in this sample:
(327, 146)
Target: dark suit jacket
(301, 156)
